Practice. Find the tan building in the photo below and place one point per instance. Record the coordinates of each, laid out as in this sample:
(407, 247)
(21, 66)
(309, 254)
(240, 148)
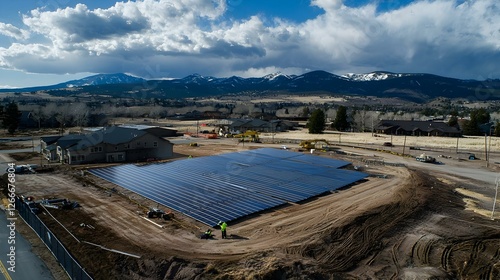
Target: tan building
(109, 144)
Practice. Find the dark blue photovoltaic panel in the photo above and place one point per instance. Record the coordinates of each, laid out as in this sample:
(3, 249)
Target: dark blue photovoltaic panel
(207, 202)
(321, 161)
(230, 186)
(271, 153)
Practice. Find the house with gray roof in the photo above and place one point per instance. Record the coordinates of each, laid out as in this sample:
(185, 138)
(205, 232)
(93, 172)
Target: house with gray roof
(109, 144)
(417, 128)
(236, 126)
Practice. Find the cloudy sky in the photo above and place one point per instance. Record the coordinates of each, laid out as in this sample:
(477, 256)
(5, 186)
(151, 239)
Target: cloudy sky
(50, 41)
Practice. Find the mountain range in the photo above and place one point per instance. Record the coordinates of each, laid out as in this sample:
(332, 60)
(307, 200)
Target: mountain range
(412, 87)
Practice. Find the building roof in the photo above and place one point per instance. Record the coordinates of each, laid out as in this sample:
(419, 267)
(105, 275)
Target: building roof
(113, 135)
(137, 126)
(50, 139)
(116, 135)
(51, 147)
(425, 126)
(69, 140)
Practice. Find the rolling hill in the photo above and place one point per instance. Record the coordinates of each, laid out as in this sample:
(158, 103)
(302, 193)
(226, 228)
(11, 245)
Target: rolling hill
(412, 87)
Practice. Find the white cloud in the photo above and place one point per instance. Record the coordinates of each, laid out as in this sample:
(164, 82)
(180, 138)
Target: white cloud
(327, 5)
(10, 30)
(180, 37)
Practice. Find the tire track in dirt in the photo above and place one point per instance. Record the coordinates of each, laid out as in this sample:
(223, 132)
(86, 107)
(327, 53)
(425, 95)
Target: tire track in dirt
(344, 246)
(445, 257)
(395, 260)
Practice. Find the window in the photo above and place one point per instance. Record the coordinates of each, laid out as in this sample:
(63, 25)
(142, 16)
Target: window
(73, 158)
(155, 144)
(120, 157)
(116, 148)
(138, 143)
(127, 146)
(99, 149)
(145, 144)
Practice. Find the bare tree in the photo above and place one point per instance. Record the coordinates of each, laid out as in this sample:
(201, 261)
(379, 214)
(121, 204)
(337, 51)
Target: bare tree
(62, 114)
(80, 114)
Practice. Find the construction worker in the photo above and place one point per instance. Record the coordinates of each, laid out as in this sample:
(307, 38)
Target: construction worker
(207, 234)
(223, 227)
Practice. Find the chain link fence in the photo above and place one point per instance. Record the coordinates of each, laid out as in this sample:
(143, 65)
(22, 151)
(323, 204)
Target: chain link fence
(70, 265)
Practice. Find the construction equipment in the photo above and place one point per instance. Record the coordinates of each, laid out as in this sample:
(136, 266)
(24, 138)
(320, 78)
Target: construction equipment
(59, 203)
(251, 135)
(425, 158)
(158, 213)
(311, 144)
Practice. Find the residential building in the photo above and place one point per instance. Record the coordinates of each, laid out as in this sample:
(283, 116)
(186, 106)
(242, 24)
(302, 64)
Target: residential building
(109, 144)
(417, 128)
(236, 126)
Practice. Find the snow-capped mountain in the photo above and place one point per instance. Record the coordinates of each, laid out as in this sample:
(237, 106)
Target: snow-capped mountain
(196, 79)
(277, 75)
(415, 87)
(103, 79)
(373, 76)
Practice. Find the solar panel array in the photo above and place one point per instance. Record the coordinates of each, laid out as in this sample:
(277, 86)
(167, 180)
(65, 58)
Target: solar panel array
(230, 186)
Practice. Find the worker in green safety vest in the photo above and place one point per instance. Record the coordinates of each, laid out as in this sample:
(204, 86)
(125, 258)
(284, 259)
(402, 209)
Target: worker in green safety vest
(207, 235)
(223, 227)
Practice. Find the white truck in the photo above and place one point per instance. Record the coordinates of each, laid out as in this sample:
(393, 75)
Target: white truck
(425, 158)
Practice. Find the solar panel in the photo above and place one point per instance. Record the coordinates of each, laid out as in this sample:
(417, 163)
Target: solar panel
(230, 186)
(317, 160)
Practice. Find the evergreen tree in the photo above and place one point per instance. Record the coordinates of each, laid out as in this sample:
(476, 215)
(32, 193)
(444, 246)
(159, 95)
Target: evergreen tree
(453, 121)
(340, 123)
(497, 129)
(316, 123)
(477, 117)
(11, 117)
(481, 116)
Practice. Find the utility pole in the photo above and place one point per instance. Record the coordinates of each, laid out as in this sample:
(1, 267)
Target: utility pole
(404, 146)
(372, 125)
(495, 199)
(272, 131)
(489, 147)
(486, 148)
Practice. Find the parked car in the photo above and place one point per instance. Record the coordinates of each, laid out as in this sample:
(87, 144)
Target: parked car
(23, 169)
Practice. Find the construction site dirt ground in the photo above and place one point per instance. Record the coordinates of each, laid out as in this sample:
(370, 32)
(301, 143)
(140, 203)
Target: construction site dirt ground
(400, 223)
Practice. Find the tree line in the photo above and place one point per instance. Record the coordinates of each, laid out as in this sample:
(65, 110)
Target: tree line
(10, 116)
(478, 117)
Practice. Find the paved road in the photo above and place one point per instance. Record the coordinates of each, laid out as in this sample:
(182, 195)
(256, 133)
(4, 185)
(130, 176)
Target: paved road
(5, 159)
(475, 170)
(27, 264)
(25, 150)
(480, 174)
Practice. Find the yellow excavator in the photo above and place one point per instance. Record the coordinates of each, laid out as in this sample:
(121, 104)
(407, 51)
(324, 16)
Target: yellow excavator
(248, 136)
(312, 144)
